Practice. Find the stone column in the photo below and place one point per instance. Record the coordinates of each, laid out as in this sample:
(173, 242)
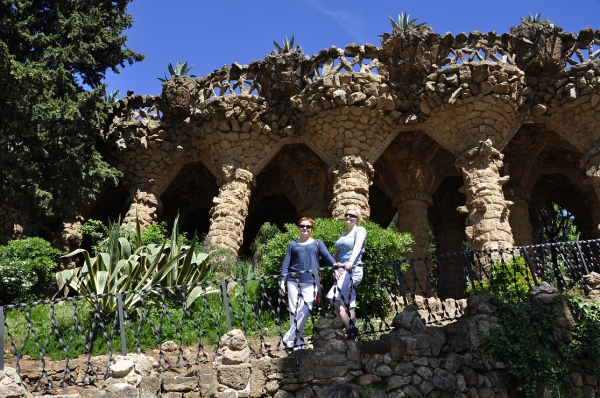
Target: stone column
(67, 239)
(351, 182)
(486, 207)
(231, 208)
(143, 204)
(412, 207)
(519, 215)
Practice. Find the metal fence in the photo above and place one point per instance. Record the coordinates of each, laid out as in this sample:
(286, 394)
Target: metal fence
(180, 335)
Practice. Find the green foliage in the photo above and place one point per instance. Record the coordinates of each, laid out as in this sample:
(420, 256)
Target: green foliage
(130, 264)
(382, 244)
(179, 70)
(288, 46)
(529, 344)
(404, 22)
(266, 232)
(586, 342)
(26, 269)
(509, 278)
(53, 57)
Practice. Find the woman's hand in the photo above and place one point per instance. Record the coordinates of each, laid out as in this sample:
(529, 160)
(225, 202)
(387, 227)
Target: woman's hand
(348, 266)
(282, 287)
(338, 273)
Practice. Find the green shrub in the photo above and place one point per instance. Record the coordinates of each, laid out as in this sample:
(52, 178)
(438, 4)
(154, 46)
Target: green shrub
(509, 279)
(382, 244)
(26, 269)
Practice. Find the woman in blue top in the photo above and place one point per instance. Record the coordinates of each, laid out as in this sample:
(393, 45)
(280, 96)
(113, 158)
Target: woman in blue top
(302, 255)
(349, 249)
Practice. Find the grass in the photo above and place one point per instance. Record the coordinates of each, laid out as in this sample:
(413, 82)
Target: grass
(55, 331)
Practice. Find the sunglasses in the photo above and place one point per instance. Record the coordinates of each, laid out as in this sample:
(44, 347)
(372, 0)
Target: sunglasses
(350, 215)
(302, 226)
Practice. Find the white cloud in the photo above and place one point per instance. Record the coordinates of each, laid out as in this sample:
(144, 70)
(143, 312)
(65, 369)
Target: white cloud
(345, 20)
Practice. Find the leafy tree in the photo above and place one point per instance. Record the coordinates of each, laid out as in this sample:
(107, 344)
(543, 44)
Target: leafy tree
(558, 225)
(53, 57)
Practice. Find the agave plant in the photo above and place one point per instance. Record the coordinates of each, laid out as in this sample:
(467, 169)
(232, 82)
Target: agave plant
(179, 70)
(112, 97)
(288, 46)
(404, 22)
(537, 18)
(129, 265)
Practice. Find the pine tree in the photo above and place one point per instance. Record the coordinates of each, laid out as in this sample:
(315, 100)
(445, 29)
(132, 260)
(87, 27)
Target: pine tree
(53, 57)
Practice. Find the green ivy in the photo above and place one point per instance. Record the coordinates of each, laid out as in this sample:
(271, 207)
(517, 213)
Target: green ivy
(529, 344)
(586, 342)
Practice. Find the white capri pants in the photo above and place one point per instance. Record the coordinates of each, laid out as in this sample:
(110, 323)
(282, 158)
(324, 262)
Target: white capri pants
(345, 288)
(301, 297)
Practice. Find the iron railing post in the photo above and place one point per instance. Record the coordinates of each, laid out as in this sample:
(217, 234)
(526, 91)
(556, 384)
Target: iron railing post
(469, 270)
(319, 292)
(530, 265)
(122, 323)
(401, 281)
(226, 303)
(587, 271)
(1, 338)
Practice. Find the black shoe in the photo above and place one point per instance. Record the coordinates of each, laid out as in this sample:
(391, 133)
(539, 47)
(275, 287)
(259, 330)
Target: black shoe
(352, 333)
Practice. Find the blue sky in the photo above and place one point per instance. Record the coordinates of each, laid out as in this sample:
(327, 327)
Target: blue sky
(209, 34)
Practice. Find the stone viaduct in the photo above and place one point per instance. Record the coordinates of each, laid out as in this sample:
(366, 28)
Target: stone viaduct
(457, 134)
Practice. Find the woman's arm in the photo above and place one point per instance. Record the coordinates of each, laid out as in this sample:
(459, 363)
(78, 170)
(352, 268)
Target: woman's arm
(359, 240)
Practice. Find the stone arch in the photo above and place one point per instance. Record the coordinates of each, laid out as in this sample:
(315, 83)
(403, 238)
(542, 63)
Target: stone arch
(448, 227)
(293, 184)
(537, 152)
(558, 188)
(190, 194)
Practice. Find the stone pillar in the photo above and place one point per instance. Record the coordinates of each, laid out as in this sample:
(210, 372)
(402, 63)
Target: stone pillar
(486, 207)
(412, 207)
(231, 208)
(520, 223)
(143, 204)
(351, 182)
(67, 239)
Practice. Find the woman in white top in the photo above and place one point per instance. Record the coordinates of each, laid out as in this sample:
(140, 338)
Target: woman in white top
(349, 249)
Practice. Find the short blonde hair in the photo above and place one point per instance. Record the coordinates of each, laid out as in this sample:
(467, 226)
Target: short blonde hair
(356, 210)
